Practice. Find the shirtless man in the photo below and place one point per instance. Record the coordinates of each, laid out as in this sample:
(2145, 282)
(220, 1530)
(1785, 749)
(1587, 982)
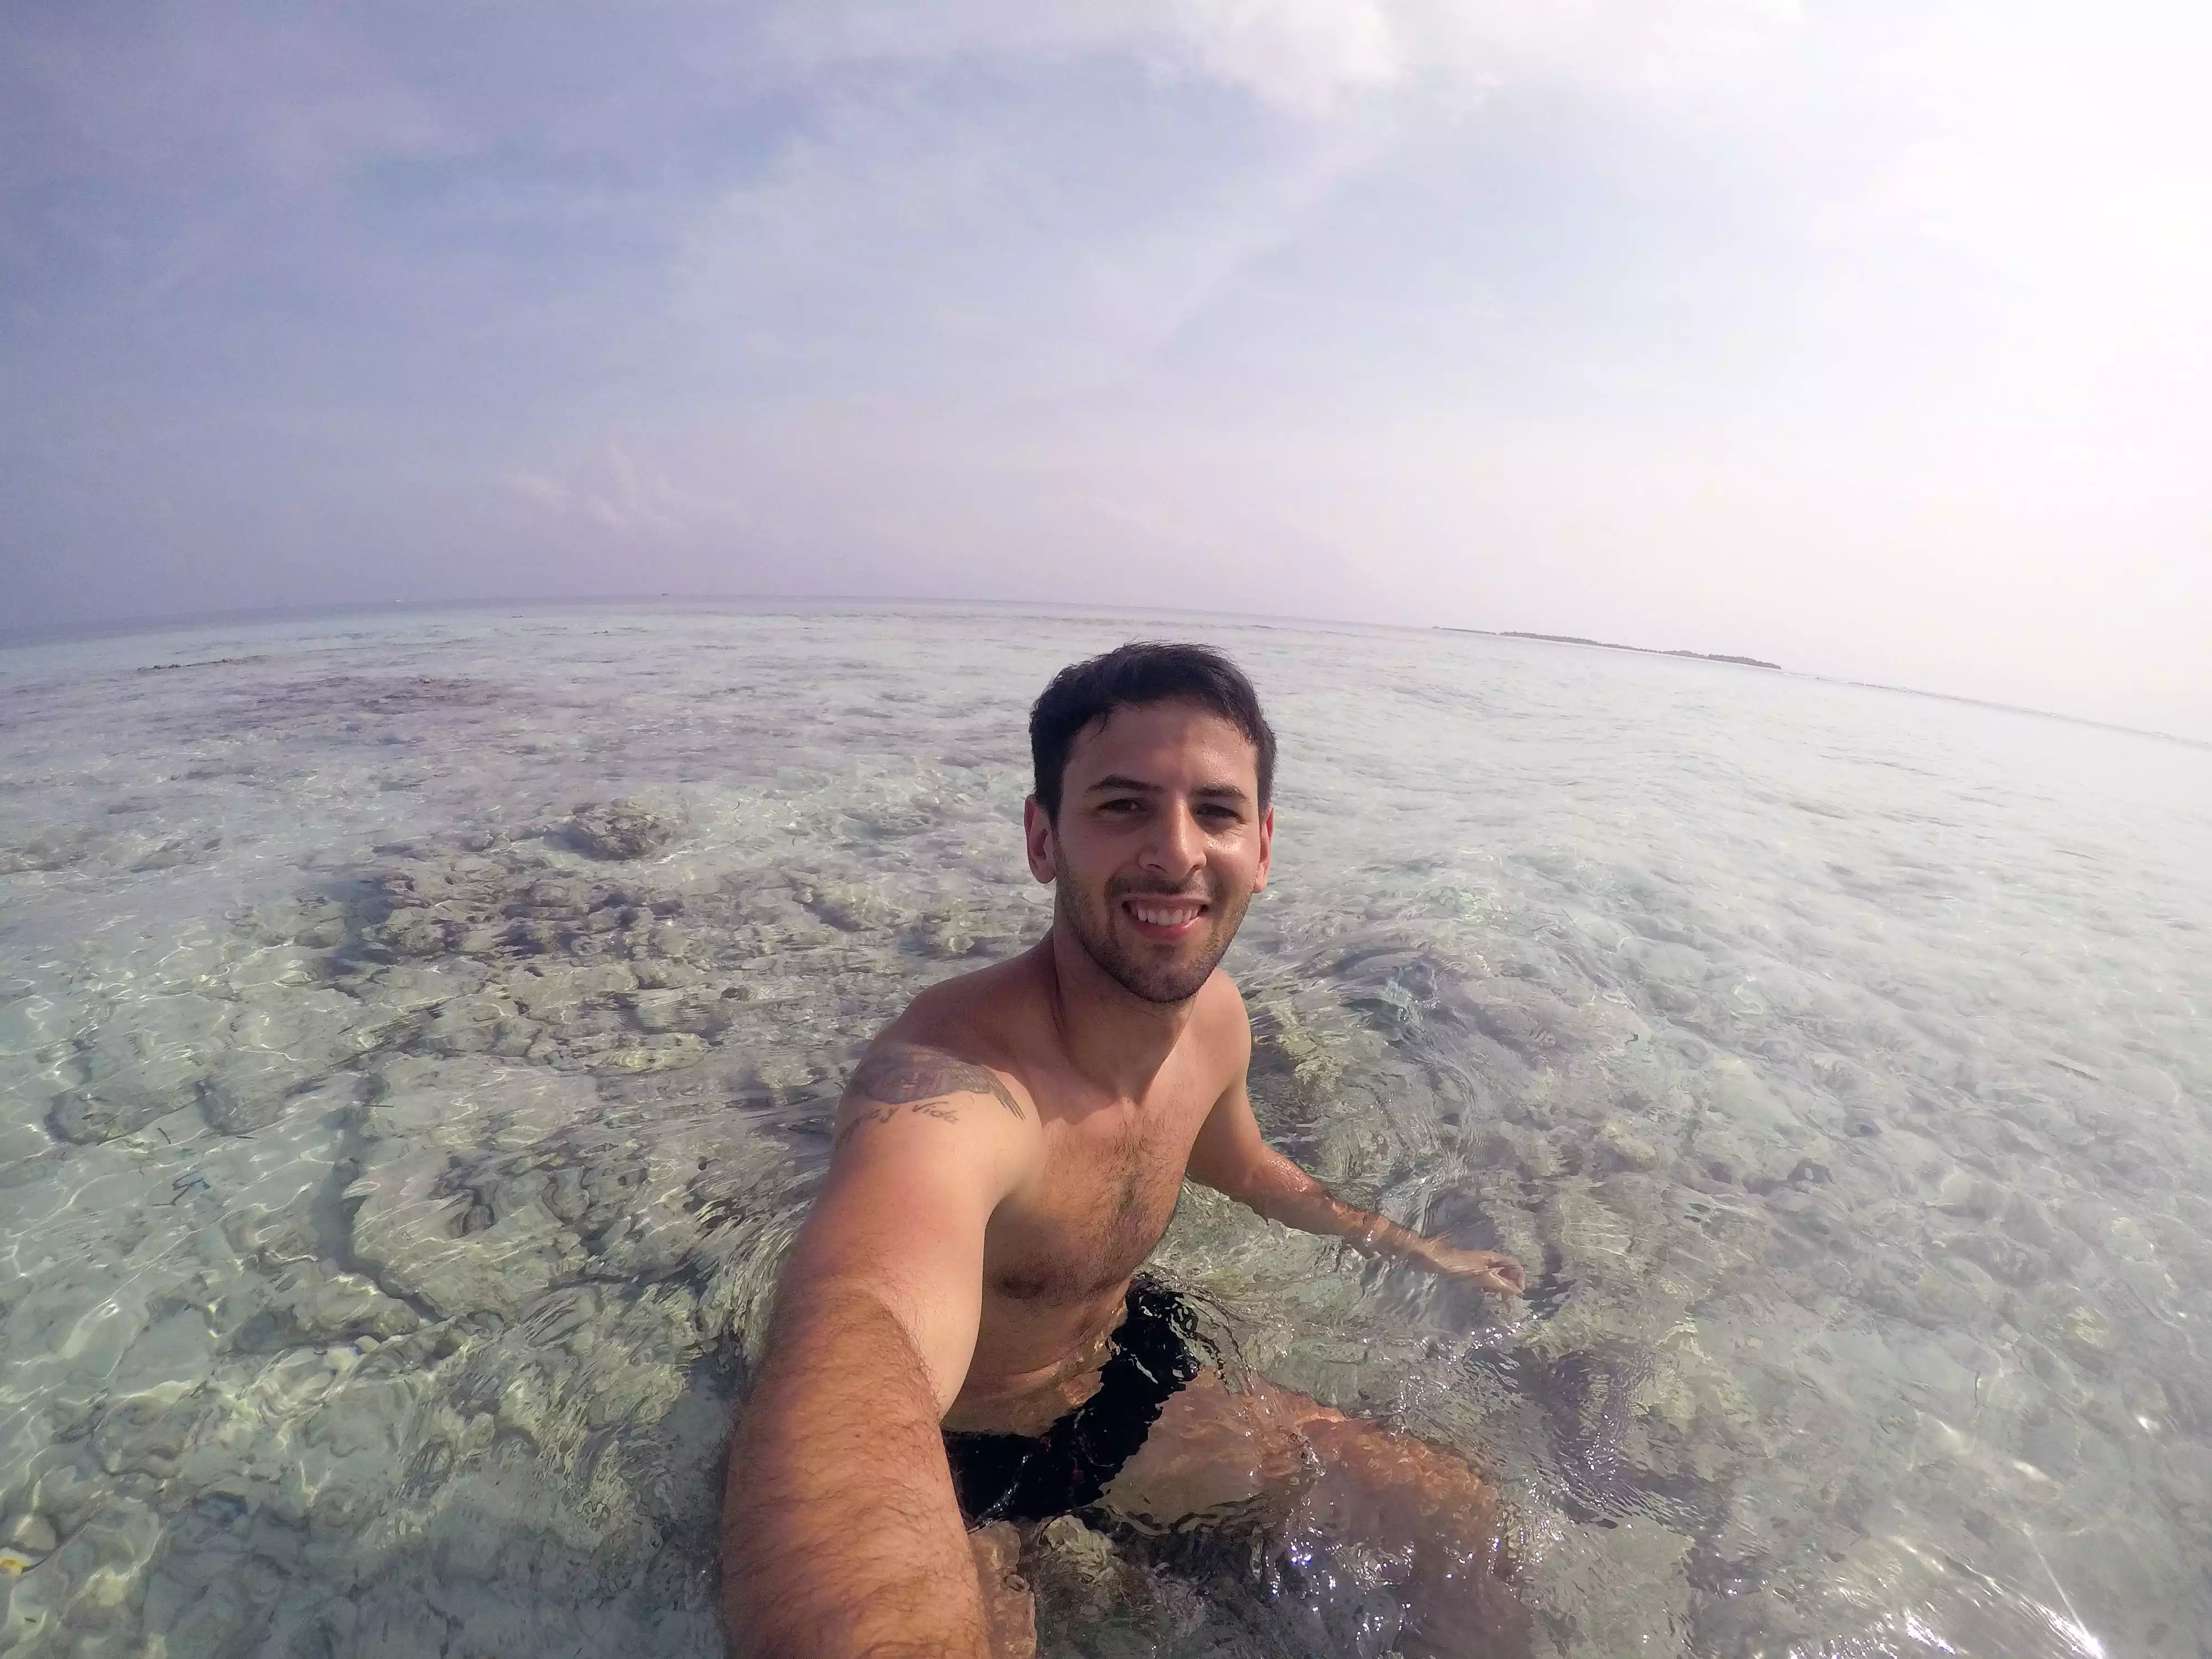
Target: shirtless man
(961, 1330)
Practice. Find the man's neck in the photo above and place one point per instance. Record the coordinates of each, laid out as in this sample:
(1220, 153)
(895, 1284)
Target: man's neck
(1113, 1038)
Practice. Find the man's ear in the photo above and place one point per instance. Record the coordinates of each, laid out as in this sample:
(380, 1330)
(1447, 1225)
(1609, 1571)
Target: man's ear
(1040, 834)
(1266, 848)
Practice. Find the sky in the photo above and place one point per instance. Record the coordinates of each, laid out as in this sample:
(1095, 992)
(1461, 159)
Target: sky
(1870, 337)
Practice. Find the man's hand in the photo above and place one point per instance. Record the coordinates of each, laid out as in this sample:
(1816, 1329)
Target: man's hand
(1229, 1156)
(1488, 1270)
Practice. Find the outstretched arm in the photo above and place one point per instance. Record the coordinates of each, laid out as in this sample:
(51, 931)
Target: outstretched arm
(841, 1535)
(1230, 1157)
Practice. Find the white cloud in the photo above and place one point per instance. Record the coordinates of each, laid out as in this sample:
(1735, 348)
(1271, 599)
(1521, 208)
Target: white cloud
(1317, 57)
(536, 487)
(901, 246)
(618, 492)
(984, 196)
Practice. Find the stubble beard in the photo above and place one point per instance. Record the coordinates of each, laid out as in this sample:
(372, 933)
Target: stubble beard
(1091, 922)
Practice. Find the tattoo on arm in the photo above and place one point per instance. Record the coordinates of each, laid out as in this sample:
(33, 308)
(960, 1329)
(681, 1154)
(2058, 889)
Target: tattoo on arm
(907, 1077)
(872, 1114)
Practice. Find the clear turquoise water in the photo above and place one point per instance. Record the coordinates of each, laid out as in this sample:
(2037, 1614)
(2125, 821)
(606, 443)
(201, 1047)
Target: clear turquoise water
(389, 1189)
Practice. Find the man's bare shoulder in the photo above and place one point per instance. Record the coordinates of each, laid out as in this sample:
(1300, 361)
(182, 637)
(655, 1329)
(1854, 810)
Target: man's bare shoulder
(897, 1073)
(939, 1059)
(901, 1088)
(1223, 1023)
(968, 1008)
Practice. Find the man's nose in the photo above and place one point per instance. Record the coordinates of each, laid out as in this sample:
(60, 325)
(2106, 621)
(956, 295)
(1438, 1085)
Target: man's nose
(1178, 845)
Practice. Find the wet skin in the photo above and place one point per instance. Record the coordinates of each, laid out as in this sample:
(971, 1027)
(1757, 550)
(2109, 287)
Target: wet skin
(1006, 1156)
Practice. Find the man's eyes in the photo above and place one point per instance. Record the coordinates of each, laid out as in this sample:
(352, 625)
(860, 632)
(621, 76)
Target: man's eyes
(1212, 811)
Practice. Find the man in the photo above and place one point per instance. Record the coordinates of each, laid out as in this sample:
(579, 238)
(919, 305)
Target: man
(960, 1325)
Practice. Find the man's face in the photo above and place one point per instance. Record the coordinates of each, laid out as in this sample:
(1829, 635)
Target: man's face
(1159, 846)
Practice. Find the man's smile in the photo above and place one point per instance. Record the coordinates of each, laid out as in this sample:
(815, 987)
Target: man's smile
(1168, 919)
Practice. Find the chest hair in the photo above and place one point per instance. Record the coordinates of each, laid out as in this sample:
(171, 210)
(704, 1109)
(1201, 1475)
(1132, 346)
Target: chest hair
(1106, 1212)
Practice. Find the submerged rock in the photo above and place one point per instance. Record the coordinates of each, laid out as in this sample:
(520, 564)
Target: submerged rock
(146, 1061)
(33, 1533)
(1075, 1570)
(274, 1054)
(620, 828)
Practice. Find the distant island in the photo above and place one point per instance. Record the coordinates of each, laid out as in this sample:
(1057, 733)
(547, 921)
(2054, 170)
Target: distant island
(1609, 645)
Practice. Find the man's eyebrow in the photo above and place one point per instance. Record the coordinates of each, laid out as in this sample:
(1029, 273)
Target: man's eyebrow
(1117, 784)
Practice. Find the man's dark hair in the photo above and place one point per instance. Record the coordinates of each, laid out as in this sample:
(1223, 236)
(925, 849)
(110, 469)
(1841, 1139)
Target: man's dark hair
(1134, 675)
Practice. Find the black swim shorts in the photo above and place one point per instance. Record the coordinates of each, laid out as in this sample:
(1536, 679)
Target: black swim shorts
(1155, 1351)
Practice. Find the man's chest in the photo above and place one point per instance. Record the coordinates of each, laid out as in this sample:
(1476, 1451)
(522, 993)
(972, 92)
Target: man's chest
(1104, 1194)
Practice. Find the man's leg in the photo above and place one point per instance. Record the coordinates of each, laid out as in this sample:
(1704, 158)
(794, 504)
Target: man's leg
(1284, 1461)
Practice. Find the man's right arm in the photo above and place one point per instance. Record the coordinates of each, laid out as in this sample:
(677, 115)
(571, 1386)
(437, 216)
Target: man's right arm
(841, 1535)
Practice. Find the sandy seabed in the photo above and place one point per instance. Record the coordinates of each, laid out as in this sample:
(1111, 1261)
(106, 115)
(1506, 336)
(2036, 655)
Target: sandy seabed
(418, 1036)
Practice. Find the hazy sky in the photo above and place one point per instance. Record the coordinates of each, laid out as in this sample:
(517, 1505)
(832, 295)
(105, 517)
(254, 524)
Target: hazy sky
(1869, 337)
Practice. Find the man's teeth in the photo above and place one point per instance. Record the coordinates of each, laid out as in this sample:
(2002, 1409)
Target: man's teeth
(1157, 916)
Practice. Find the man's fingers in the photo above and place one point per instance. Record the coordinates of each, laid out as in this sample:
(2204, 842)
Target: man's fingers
(1487, 1270)
(1503, 1274)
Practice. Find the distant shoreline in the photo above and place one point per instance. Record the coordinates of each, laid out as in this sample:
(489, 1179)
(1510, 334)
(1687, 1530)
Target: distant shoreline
(1610, 645)
(82, 632)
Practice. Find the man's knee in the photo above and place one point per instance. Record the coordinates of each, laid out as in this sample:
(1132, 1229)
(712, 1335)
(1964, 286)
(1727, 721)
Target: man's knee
(1214, 1448)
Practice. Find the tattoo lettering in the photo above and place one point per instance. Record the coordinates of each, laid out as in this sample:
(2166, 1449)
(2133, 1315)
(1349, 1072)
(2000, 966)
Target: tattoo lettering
(868, 1114)
(907, 1077)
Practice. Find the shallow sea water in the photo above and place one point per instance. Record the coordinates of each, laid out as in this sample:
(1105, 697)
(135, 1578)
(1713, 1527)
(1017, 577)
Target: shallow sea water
(390, 1185)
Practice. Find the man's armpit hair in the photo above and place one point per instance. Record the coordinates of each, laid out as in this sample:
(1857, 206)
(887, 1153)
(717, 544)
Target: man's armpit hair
(909, 1073)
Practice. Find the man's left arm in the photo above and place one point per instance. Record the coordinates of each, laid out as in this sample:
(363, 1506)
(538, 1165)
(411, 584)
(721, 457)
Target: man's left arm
(1229, 1156)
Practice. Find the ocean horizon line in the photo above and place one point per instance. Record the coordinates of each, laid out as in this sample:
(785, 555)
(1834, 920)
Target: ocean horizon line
(769, 604)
